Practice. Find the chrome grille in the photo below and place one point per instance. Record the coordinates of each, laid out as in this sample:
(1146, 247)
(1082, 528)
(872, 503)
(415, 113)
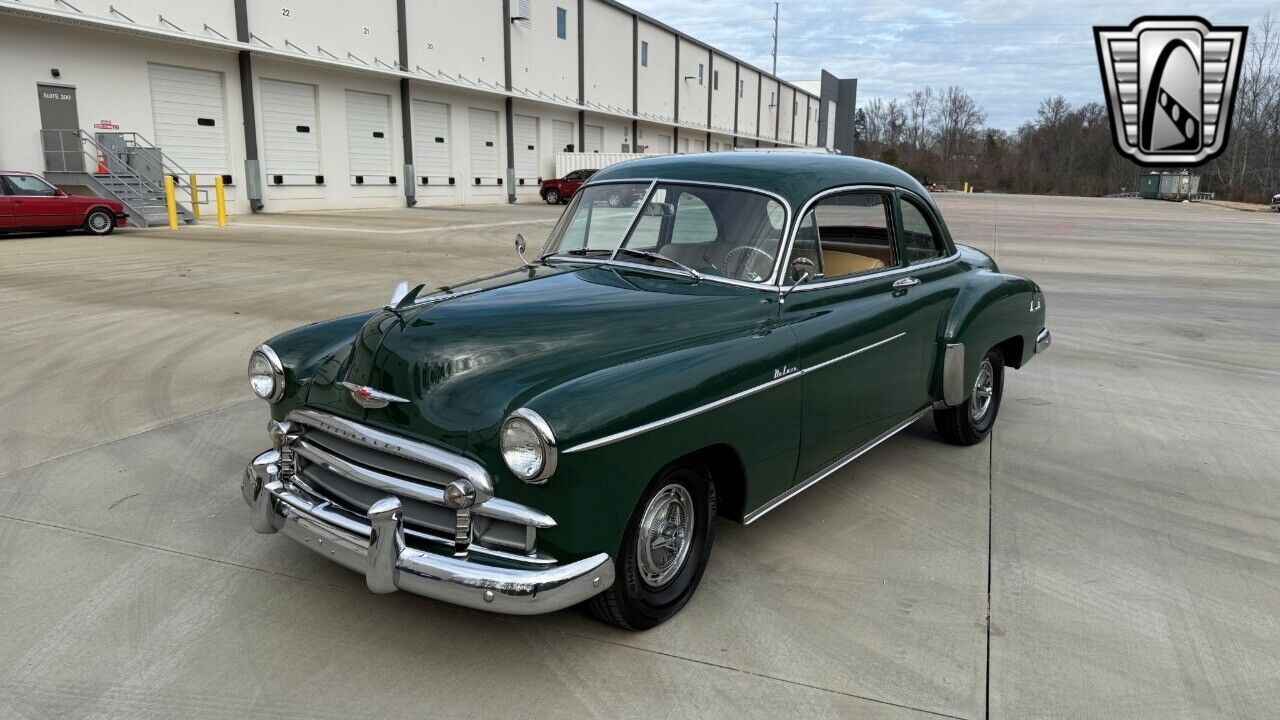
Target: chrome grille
(363, 465)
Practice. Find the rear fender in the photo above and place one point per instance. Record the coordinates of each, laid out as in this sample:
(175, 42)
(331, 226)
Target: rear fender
(991, 309)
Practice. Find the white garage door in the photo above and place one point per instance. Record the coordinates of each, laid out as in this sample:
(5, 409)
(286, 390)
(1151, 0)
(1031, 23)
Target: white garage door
(290, 131)
(190, 118)
(561, 135)
(524, 131)
(369, 137)
(697, 146)
(664, 145)
(594, 142)
(684, 145)
(432, 149)
(483, 142)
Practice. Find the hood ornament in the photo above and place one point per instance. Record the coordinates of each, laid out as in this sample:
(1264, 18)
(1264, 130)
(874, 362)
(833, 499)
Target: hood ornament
(402, 296)
(368, 397)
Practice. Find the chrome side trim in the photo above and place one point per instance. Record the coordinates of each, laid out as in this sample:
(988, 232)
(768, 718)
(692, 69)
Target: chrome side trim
(409, 449)
(496, 508)
(953, 389)
(848, 355)
(623, 435)
(831, 468)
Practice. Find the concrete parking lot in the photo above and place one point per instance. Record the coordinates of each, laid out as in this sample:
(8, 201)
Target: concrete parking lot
(1112, 552)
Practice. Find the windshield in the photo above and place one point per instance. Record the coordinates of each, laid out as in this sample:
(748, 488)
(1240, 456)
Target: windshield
(720, 232)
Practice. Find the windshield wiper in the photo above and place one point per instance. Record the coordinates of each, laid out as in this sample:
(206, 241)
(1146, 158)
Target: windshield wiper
(697, 277)
(580, 252)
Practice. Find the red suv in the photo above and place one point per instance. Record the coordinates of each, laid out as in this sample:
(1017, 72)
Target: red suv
(29, 202)
(561, 189)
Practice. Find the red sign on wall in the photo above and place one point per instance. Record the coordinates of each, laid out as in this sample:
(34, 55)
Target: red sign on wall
(105, 125)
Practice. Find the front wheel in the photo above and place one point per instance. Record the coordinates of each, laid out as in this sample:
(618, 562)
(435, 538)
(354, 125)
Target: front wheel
(100, 222)
(664, 551)
(552, 197)
(970, 422)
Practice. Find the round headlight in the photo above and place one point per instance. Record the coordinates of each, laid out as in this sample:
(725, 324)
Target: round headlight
(266, 374)
(528, 446)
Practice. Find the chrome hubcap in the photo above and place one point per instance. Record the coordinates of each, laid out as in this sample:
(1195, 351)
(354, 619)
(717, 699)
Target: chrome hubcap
(665, 530)
(983, 389)
(99, 222)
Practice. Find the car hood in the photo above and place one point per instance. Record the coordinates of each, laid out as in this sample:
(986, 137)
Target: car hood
(466, 361)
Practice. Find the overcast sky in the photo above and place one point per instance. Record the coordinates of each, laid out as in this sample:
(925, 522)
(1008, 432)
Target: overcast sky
(1007, 54)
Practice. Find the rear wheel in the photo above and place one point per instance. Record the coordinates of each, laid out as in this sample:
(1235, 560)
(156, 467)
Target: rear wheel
(664, 551)
(100, 222)
(971, 421)
(552, 197)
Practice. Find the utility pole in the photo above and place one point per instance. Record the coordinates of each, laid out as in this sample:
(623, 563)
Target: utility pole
(775, 39)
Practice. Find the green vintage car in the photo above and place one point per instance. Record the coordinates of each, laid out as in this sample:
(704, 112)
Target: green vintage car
(702, 337)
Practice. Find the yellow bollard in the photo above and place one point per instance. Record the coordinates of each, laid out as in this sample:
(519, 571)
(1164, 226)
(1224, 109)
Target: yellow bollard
(220, 196)
(966, 187)
(170, 203)
(195, 196)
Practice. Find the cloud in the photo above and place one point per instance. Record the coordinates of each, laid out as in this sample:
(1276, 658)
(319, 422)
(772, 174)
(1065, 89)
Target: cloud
(1009, 55)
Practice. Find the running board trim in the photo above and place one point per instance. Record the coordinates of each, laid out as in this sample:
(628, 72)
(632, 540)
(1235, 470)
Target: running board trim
(831, 468)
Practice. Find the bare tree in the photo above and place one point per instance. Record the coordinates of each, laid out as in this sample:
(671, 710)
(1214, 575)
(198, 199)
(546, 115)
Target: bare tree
(957, 121)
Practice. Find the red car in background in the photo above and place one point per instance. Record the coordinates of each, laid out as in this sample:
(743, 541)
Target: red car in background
(561, 189)
(29, 202)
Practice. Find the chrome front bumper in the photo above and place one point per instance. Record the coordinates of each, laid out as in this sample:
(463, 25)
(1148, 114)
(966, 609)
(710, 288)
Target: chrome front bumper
(375, 546)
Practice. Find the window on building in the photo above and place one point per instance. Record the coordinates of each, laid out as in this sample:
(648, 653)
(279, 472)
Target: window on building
(644, 53)
(742, 86)
(562, 23)
(715, 79)
(701, 74)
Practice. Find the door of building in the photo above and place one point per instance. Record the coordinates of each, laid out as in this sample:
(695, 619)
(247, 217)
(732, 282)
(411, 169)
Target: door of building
(58, 113)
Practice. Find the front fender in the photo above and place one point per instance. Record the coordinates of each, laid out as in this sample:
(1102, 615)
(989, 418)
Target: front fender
(619, 426)
(303, 349)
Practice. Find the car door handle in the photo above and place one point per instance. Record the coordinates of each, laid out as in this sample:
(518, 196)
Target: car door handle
(905, 283)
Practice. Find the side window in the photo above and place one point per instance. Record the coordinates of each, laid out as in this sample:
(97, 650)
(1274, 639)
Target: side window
(918, 235)
(846, 235)
(694, 222)
(28, 185)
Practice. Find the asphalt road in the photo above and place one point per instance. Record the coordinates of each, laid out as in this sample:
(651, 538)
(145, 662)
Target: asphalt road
(1120, 529)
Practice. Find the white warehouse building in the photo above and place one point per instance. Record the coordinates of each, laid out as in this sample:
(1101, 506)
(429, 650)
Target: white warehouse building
(326, 104)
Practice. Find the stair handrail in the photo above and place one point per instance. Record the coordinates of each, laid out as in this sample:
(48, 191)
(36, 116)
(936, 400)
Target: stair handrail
(144, 187)
(170, 166)
(181, 176)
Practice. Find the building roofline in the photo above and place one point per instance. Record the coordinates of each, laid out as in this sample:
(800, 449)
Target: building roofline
(711, 48)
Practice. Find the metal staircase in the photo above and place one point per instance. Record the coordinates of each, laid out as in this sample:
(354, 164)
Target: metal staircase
(127, 167)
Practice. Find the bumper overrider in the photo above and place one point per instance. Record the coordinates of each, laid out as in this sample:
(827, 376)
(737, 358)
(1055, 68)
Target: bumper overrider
(1043, 341)
(374, 544)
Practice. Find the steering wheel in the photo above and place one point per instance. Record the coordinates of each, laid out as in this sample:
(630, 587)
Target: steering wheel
(748, 264)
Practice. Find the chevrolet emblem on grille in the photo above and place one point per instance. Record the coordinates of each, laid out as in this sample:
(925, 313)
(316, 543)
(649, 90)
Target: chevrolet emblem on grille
(368, 397)
(1170, 84)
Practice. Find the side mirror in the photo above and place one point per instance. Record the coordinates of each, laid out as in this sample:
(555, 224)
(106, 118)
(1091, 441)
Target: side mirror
(521, 244)
(801, 269)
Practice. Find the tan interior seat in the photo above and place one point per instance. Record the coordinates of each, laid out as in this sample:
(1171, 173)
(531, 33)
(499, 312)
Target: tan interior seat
(837, 263)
